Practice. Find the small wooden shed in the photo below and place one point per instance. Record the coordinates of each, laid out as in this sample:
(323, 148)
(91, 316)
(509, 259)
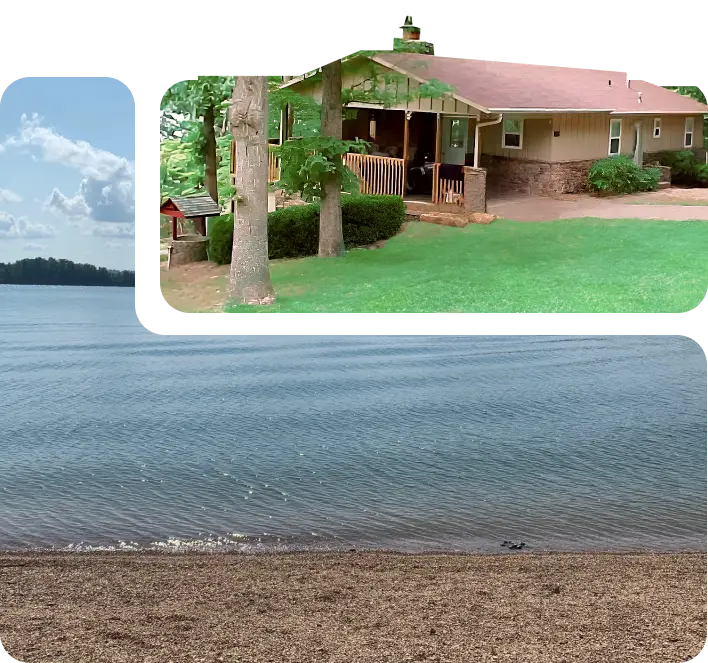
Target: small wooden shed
(190, 207)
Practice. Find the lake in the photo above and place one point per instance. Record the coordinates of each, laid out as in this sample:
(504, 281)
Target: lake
(114, 438)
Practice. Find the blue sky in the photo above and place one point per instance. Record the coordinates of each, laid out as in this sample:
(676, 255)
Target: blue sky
(67, 171)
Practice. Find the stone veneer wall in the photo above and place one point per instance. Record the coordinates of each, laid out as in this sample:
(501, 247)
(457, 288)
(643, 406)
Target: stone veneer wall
(535, 177)
(475, 199)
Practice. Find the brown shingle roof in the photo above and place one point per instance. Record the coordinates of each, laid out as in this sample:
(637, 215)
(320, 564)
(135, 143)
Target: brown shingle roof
(194, 206)
(505, 86)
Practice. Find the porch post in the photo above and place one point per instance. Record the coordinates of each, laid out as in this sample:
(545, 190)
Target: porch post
(438, 138)
(174, 227)
(407, 118)
(476, 143)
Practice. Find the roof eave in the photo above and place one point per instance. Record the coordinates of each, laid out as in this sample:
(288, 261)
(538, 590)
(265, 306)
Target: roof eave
(420, 79)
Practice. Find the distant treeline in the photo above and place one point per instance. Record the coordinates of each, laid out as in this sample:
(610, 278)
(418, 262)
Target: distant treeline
(49, 271)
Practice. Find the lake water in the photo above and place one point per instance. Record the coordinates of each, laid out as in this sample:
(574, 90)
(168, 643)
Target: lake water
(112, 437)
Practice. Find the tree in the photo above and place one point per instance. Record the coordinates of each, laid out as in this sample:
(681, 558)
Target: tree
(331, 236)
(249, 280)
(204, 99)
(313, 166)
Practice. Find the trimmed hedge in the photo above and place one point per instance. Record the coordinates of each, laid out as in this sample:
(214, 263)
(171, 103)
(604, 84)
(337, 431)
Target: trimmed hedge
(619, 174)
(293, 232)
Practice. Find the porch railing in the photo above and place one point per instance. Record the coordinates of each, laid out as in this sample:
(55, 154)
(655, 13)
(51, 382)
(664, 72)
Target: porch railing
(377, 175)
(273, 165)
(447, 190)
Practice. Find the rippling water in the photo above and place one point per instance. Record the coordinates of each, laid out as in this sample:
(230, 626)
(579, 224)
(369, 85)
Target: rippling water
(111, 436)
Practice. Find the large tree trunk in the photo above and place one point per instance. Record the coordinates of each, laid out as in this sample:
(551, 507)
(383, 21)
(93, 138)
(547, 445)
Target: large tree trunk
(331, 237)
(249, 281)
(210, 159)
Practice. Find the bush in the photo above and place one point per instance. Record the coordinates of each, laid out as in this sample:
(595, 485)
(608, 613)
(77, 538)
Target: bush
(221, 237)
(685, 168)
(293, 232)
(619, 174)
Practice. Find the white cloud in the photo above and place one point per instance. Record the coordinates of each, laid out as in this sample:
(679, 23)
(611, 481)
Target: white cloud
(33, 247)
(106, 192)
(12, 227)
(118, 230)
(7, 196)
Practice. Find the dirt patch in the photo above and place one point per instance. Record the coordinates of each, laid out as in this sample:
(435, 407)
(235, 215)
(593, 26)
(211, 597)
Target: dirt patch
(200, 287)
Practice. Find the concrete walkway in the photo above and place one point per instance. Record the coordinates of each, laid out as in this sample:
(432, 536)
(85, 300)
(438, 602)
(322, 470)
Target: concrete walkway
(669, 204)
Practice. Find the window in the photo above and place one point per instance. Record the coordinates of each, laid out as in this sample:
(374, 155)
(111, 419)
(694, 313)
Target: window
(688, 133)
(657, 127)
(615, 136)
(457, 133)
(513, 132)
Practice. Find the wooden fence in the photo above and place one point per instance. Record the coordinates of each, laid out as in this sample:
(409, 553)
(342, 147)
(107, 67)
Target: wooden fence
(377, 175)
(447, 191)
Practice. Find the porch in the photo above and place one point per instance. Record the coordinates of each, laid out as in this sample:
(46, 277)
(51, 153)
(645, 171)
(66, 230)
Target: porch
(418, 155)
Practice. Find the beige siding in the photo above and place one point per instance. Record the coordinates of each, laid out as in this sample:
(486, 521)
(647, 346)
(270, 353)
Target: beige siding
(672, 132)
(581, 136)
(535, 144)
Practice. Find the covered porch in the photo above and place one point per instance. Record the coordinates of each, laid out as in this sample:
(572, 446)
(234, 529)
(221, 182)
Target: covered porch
(423, 156)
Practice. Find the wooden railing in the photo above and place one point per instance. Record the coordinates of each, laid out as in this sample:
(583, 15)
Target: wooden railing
(447, 191)
(273, 164)
(377, 175)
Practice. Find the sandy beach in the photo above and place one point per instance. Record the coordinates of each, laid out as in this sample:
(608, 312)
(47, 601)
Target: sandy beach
(350, 607)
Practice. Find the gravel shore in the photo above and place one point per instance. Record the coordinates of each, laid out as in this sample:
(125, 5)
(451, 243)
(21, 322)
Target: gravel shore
(353, 607)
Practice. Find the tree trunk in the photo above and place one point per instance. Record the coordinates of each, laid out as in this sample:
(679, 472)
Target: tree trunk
(331, 237)
(210, 158)
(249, 281)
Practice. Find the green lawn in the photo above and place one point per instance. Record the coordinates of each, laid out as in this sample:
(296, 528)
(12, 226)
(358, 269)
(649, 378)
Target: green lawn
(577, 265)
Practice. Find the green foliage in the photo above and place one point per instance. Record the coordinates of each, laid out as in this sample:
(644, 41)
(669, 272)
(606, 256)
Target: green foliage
(221, 237)
(685, 167)
(306, 162)
(294, 231)
(412, 46)
(619, 174)
(306, 111)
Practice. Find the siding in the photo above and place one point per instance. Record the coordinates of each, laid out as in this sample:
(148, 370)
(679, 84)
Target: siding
(582, 136)
(536, 142)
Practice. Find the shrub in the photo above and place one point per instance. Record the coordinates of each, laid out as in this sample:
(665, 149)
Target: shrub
(702, 174)
(685, 168)
(619, 174)
(293, 232)
(221, 237)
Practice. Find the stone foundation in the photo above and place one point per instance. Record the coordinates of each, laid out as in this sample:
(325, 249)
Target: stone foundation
(535, 177)
(475, 188)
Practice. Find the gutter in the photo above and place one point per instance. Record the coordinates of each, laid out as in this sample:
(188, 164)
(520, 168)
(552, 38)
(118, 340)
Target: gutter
(476, 136)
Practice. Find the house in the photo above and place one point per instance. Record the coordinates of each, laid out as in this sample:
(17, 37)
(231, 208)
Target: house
(501, 126)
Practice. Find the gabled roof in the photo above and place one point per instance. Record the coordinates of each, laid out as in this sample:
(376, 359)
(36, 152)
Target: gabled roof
(505, 86)
(193, 206)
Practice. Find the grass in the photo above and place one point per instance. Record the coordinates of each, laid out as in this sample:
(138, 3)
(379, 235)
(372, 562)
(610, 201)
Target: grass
(575, 265)
(685, 203)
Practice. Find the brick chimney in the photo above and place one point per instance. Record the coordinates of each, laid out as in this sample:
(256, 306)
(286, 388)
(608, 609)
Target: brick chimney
(410, 40)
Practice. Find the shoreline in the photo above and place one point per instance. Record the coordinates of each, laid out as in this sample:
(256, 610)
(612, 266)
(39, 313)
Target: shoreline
(343, 607)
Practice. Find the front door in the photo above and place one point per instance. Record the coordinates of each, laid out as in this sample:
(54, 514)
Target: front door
(454, 140)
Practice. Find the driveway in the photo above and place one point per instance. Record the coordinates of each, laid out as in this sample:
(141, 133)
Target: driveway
(668, 204)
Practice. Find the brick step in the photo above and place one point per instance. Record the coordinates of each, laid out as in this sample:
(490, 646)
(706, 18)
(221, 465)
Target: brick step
(664, 185)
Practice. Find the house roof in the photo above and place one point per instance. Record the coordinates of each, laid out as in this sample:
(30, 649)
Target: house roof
(505, 86)
(193, 206)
